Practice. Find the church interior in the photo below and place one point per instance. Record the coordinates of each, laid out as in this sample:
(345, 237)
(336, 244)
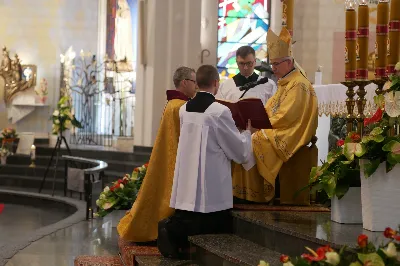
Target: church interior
(92, 98)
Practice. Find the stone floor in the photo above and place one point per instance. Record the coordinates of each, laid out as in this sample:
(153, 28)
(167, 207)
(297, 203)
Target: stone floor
(94, 237)
(17, 220)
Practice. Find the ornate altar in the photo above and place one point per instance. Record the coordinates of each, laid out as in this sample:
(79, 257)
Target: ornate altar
(14, 77)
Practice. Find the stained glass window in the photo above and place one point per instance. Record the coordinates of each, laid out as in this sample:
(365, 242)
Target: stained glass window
(241, 22)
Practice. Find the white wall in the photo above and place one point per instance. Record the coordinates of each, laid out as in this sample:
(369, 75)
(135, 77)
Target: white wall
(173, 40)
(39, 31)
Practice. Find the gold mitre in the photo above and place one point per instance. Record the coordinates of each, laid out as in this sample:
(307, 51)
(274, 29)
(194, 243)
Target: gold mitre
(279, 46)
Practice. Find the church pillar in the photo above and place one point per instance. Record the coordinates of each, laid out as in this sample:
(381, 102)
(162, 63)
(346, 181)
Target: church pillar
(171, 38)
(209, 31)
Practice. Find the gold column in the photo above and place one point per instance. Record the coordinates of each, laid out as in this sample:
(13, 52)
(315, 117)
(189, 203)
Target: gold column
(288, 15)
(394, 36)
(382, 29)
(351, 42)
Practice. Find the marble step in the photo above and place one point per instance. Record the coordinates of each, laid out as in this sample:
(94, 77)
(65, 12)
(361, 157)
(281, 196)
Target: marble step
(230, 250)
(161, 261)
(274, 229)
(113, 165)
(29, 182)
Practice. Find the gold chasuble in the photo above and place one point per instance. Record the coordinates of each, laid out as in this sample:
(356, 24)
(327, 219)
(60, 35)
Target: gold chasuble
(152, 203)
(294, 118)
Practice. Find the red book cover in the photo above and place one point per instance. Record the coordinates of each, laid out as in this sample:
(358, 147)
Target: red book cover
(245, 109)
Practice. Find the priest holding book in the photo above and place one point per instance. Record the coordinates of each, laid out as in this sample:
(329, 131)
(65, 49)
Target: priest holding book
(246, 61)
(292, 112)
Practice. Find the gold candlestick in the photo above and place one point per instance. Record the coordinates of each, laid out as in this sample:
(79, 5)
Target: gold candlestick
(361, 102)
(380, 83)
(350, 103)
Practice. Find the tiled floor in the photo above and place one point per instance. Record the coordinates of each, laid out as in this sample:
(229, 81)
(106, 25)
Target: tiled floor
(95, 237)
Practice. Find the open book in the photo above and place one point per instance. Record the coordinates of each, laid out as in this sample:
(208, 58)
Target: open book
(245, 109)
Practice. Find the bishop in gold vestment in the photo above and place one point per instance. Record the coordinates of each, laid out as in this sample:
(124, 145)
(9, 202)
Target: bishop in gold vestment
(294, 118)
(152, 203)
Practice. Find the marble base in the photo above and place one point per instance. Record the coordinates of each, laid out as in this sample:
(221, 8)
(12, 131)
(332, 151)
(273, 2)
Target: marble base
(123, 143)
(347, 210)
(380, 195)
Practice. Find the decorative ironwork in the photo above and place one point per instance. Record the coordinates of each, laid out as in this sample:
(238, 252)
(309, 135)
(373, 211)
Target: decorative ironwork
(102, 96)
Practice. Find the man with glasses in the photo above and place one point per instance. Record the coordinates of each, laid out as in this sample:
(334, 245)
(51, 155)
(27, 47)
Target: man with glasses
(246, 61)
(152, 203)
(293, 114)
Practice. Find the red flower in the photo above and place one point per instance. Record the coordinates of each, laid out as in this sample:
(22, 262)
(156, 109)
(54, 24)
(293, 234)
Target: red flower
(136, 169)
(362, 241)
(397, 238)
(355, 137)
(389, 232)
(146, 165)
(340, 143)
(284, 258)
(375, 118)
(316, 256)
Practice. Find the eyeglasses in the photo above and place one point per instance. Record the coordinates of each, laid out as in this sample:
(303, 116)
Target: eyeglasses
(191, 80)
(243, 64)
(277, 63)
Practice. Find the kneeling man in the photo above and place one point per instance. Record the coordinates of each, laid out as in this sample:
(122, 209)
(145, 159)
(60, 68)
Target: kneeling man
(202, 186)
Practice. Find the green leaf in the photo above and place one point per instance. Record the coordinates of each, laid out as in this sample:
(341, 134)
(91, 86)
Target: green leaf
(351, 149)
(341, 190)
(393, 158)
(376, 131)
(371, 166)
(355, 264)
(374, 258)
(379, 100)
(393, 146)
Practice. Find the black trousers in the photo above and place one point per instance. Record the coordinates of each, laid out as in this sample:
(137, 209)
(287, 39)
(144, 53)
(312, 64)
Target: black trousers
(173, 232)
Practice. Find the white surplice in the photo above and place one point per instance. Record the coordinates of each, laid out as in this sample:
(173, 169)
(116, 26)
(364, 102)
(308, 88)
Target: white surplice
(229, 91)
(208, 142)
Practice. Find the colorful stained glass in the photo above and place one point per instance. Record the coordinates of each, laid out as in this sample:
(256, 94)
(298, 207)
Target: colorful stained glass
(241, 22)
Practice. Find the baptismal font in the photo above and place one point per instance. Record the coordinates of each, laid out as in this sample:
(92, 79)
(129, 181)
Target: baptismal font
(14, 79)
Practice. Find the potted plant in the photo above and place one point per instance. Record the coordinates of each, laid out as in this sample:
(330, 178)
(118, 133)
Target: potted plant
(9, 138)
(339, 178)
(63, 118)
(122, 193)
(364, 254)
(378, 154)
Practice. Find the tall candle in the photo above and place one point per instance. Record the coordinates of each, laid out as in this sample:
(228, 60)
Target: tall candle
(382, 29)
(362, 41)
(33, 152)
(287, 15)
(351, 41)
(394, 36)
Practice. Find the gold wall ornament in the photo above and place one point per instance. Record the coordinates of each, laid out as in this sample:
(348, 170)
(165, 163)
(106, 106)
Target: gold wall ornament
(17, 77)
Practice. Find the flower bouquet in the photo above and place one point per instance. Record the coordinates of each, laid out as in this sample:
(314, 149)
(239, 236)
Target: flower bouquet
(9, 133)
(364, 254)
(63, 118)
(9, 137)
(122, 193)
